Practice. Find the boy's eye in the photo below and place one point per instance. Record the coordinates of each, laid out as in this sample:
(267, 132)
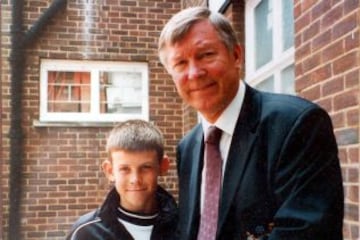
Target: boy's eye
(147, 167)
(123, 169)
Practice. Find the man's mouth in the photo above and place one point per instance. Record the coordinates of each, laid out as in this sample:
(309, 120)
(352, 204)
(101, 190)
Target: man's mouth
(202, 88)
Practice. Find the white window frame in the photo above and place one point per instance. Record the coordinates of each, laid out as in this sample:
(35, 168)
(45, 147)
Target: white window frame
(281, 59)
(94, 67)
(217, 5)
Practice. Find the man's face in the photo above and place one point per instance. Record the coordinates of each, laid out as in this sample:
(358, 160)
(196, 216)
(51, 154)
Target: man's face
(205, 72)
(135, 175)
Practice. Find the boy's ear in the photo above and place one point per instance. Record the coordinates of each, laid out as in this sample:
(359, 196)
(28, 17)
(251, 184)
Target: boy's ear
(164, 165)
(107, 168)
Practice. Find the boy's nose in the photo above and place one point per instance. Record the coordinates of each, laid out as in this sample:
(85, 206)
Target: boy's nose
(134, 178)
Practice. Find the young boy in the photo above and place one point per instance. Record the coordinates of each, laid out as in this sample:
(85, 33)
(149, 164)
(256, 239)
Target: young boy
(136, 208)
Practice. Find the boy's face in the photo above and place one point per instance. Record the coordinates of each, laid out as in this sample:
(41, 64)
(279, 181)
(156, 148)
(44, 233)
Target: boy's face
(135, 176)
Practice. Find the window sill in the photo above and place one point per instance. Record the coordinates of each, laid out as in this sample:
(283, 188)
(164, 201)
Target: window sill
(37, 123)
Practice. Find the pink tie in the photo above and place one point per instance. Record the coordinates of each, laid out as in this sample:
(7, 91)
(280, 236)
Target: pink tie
(209, 216)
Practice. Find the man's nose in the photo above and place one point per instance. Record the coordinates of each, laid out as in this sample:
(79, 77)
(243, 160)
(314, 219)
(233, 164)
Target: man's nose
(195, 71)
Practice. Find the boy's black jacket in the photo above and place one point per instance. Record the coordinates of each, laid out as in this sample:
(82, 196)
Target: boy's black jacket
(103, 223)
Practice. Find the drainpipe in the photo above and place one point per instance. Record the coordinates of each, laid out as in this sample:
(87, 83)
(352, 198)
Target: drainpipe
(17, 65)
(33, 33)
(1, 147)
(19, 42)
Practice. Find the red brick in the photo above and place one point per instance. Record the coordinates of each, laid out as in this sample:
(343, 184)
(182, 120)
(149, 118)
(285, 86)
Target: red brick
(298, 70)
(302, 22)
(311, 62)
(351, 5)
(354, 155)
(326, 103)
(335, 50)
(302, 83)
(307, 4)
(333, 86)
(338, 120)
(297, 10)
(347, 62)
(321, 40)
(345, 26)
(311, 31)
(302, 52)
(312, 93)
(320, 74)
(346, 99)
(352, 117)
(353, 193)
(352, 79)
(352, 41)
(331, 17)
(320, 8)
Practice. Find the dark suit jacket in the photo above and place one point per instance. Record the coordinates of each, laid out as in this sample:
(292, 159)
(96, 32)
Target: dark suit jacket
(282, 179)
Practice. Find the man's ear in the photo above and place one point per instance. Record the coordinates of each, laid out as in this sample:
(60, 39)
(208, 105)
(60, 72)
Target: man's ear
(107, 168)
(238, 54)
(164, 165)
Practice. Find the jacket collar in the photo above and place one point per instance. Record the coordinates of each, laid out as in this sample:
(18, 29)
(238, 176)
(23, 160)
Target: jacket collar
(167, 206)
(243, 139)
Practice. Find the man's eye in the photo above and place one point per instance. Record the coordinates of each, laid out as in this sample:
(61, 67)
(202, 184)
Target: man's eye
(207, 54)
(179, 63)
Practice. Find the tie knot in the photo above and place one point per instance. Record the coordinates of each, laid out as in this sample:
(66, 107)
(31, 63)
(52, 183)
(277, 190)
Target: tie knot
(213, 135)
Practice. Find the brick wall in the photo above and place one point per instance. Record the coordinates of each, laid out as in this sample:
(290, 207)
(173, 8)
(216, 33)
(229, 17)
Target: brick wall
(236, 13)
(1, 137)
(193, 3)
(327, 66)
(62, 176)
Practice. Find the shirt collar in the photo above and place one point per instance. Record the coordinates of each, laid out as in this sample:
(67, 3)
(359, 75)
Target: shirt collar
(226, 122)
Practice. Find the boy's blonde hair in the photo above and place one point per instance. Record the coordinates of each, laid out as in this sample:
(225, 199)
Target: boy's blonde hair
(135, 136)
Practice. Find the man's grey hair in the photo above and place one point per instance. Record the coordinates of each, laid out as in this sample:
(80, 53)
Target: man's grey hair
(135, 136)
(179, 25)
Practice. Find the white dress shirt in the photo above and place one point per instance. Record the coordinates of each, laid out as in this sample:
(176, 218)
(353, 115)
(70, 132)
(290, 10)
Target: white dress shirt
(226, 122)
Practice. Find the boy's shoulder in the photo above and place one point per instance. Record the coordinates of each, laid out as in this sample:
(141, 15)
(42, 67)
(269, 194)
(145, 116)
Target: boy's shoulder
(87, 217)
(83, 221)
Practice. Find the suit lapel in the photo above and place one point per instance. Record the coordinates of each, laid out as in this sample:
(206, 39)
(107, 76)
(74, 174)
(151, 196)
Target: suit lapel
(195, 169)
(241, 145)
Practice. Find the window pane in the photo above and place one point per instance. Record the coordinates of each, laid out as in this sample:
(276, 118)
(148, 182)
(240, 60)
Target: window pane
(263, 32)
(288, 79)
(287, 24)
(68, 91)
(266, 85)
(215, 5)
(120, 92)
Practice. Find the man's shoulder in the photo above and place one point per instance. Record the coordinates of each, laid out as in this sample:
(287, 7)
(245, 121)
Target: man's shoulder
(284, 100)
(287, 110)
(195, 134)
(275, 104)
